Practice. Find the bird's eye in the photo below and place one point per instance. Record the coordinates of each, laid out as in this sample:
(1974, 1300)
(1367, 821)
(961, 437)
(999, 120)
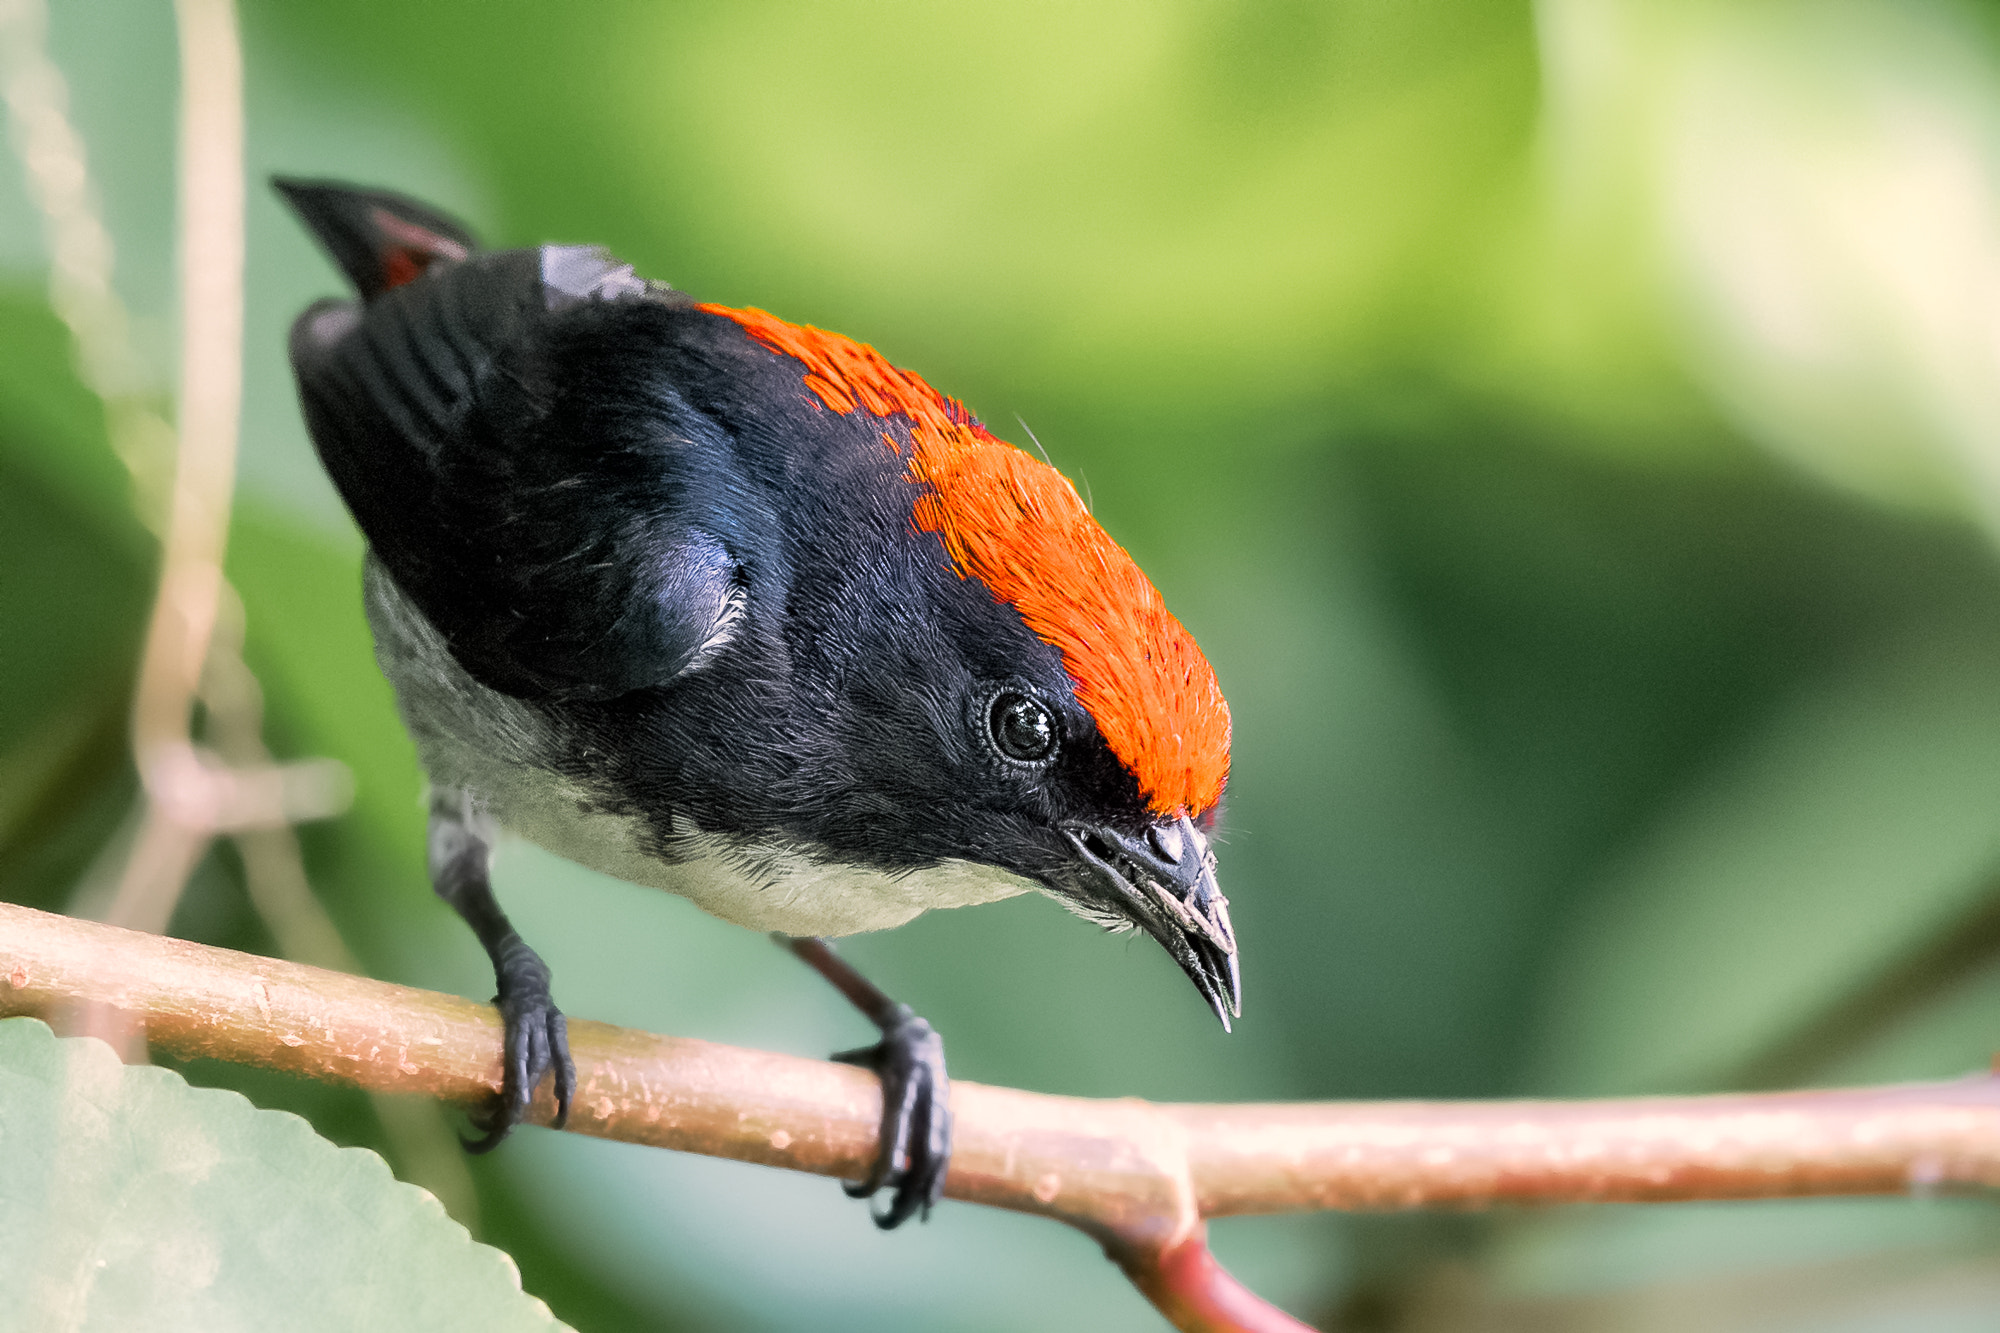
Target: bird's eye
(1022, 728)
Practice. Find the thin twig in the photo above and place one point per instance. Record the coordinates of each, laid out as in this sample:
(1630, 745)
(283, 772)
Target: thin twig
(1139, 1177)
(191, 793)
(191, 796)
(81, 254)
(211, 385)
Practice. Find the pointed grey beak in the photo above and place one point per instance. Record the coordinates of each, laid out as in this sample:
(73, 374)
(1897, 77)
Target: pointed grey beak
(1165, 881)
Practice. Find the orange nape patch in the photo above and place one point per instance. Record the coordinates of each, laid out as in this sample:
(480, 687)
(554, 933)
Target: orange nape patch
(1016, 525)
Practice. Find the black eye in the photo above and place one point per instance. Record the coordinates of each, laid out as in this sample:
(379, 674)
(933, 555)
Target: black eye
(1022, 728)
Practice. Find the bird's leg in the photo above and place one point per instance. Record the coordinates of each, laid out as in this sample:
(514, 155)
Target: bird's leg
(537, 1038)
(916, 1095)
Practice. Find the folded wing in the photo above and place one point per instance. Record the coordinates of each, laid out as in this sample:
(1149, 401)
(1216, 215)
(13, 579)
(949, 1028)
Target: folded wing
(530, 485)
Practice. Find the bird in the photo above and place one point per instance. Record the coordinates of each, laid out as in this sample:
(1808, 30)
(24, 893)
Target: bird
(735, 608)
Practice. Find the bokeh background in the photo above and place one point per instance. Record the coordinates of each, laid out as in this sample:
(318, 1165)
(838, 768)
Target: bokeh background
(1572, 430)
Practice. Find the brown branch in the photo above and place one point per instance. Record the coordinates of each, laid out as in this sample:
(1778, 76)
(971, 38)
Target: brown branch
(1137, 1176)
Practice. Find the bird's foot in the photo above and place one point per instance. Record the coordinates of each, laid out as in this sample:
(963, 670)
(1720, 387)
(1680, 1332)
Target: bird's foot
(916, 1118)
(536, 1042)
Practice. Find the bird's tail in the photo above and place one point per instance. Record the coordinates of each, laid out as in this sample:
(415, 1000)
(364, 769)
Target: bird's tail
(380, 240)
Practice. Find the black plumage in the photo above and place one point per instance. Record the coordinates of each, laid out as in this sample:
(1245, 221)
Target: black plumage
(651, 603)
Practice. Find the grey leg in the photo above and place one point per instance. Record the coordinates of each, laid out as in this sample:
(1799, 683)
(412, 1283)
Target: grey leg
(537, 1038)
(916, 1095)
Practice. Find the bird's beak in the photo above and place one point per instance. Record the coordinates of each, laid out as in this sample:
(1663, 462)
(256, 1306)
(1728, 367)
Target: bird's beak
(1165, 881)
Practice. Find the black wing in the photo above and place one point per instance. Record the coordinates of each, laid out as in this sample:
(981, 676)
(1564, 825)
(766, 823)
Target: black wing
(541, 492)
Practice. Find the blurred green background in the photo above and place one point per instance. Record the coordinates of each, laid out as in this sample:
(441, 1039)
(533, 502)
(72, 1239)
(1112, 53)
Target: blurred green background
(1572, 430)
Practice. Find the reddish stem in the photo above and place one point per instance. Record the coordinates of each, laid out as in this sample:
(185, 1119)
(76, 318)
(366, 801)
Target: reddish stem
(1198, 1295)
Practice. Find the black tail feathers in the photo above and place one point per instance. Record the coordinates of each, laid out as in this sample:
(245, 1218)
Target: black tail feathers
(379, 239)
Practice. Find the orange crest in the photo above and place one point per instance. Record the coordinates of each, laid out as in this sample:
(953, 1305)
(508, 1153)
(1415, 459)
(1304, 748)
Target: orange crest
(1017, 526)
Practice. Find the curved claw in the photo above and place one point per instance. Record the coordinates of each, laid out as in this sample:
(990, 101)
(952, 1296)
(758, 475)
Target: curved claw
(916, 1119)
(536, 1042)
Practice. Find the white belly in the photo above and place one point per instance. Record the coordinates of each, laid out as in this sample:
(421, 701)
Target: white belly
(759, 886)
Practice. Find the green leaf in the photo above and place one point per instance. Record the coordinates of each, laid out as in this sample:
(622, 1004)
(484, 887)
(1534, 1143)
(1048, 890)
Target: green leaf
(130, 1200)
(52, 426)
(74, 584)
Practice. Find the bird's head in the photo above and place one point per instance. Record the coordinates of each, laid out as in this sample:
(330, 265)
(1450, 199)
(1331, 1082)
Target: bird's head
(1052, 717)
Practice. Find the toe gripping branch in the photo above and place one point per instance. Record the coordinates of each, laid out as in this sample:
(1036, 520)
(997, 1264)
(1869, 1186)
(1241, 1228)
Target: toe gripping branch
(537, 1036)
(916, 1095)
